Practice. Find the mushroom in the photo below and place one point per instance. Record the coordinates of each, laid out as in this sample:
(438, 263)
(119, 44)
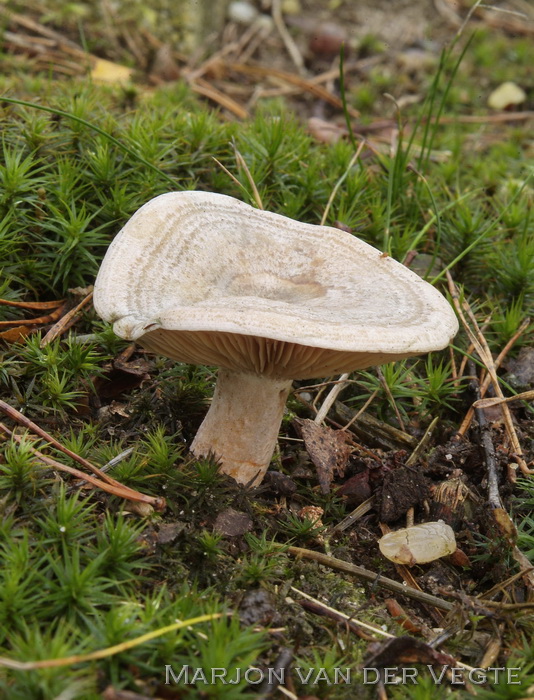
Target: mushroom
(206, 279)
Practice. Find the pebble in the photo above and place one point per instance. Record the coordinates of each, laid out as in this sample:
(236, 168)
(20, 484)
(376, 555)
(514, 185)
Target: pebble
(242, 12)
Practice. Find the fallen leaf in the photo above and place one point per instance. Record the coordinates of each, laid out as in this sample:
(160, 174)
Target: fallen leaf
(110, 73)
(508, 94)
(328, 450)
(325, 132)
(505, 524)
(459, 558)
(121, 378)
(521, 369)
(405, 650)
(15, 335)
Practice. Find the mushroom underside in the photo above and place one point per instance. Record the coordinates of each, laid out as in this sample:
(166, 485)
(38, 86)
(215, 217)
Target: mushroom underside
(260, 356)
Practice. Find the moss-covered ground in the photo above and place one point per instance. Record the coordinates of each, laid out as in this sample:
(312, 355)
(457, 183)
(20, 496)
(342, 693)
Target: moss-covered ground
(83, 570)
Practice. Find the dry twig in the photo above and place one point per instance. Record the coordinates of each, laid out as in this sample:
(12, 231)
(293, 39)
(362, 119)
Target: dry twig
(370, 576)
(303, 84)
(292, 48)
(464, 427)
(352, 517)
(49, 318)
(158, 503)
(481, 346)
(202, 87)
(331, 398)
(115, 489)
(66, 321)
(33, 305)
(353, 624)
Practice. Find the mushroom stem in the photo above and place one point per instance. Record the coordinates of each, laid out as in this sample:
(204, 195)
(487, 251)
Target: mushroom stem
(241, 427)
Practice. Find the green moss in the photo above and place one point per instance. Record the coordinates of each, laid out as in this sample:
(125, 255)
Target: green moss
(80, 573)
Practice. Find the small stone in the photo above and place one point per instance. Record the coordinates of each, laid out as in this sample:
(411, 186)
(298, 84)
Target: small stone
(280, 483)
(242, 12)
(327, 39)
(506, 95)
(312, 513)
(169, 532)
(257, 608)
(232, 523)
(356, 489)
(291, 7)
(521, 370)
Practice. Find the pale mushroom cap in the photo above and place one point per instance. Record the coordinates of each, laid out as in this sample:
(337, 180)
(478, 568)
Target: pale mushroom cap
(205, 278)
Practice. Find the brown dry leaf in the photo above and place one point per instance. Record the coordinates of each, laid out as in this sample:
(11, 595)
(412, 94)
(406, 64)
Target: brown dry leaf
(405, 650)
(328, 451)
(521, 369)
(67, 320)
(505, 524)
(324, 131)
(15, 335)
(402, 618)
(459, 558)
(110, 73)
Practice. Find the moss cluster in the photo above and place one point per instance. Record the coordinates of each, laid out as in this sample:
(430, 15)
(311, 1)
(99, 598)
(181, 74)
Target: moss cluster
(79, 572)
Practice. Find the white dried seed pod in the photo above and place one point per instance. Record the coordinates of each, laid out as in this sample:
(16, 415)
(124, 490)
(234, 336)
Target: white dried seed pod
(418, 544)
